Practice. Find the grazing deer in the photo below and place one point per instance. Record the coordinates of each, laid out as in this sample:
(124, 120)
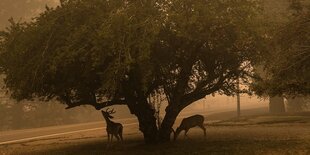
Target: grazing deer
(113, 129)
(190, 122)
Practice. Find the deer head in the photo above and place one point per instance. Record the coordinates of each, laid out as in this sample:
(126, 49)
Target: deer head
(107, 113)
(177, 132)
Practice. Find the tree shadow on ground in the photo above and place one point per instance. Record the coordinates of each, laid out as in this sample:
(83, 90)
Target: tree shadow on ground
(183, 146)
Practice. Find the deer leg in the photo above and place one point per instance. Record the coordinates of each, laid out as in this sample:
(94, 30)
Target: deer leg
(204, 130)
(120, 133)
(117, 137)
(121, 136)
(111, 137)
(185, 133)
(108, 137)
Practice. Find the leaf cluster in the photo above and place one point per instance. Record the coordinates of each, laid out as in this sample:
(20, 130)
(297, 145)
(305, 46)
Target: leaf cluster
(86, 50)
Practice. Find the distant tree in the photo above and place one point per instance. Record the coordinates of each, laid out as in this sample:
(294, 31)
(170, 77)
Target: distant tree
(292, 66)
(286, 63)
(104, 53)
(289, 63)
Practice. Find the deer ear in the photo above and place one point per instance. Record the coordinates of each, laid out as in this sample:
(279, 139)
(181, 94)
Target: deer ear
(111, 116)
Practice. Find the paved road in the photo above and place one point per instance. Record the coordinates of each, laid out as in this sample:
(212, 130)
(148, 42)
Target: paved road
(18, 136)
(39, 133)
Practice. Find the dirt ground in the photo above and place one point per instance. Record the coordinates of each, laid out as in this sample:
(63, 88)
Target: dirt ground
(245, 138)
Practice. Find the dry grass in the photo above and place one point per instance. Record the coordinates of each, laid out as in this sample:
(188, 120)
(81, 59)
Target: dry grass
(264, 119)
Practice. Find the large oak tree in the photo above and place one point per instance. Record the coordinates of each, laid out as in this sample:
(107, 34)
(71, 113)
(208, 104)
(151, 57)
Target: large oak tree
(104, 53)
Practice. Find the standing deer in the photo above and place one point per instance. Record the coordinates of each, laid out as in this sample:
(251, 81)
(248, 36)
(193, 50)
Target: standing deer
(190, 122)
(113, 128)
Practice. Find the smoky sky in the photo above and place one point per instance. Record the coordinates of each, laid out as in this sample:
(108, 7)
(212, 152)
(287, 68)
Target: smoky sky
(22, 10)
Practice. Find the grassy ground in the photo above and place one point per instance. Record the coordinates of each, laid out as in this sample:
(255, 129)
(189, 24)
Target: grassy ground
(265, 119)
(250, 135)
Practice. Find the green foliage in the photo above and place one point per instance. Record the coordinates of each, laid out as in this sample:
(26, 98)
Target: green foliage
(120, 52)
(79, 48)
(85, 50)
(211, 44)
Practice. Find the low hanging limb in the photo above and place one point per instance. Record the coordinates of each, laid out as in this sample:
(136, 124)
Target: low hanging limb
(96, 105)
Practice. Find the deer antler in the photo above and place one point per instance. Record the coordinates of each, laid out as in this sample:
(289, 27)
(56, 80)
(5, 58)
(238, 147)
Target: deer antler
(110, 111)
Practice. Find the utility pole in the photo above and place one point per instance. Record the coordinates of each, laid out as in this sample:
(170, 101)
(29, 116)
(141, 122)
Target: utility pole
(238, 98)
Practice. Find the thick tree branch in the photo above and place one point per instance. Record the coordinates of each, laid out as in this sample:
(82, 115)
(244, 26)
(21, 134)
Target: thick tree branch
(153, 86)
(192, 97)
(201, 84)
(201, 93)
(97, 105)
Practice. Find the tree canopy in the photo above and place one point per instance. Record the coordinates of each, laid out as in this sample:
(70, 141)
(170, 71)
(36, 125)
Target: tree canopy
(104, 53)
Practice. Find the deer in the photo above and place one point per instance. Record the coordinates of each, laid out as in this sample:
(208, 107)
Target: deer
(190, 122)
(113, 129)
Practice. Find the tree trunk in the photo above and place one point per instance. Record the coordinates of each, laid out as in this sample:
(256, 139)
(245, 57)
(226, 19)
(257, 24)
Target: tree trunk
(276, 105)
(167, 123)
(147, 121)
(139, 106)
(147, 124)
